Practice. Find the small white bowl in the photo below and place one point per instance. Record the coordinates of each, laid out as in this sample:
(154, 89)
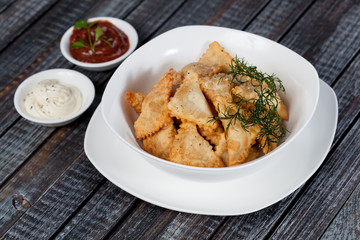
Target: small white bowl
(122, 25)
(64, 76)
(180, 46)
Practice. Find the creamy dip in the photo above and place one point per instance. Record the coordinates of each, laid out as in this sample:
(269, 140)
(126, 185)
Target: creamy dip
(50, 100)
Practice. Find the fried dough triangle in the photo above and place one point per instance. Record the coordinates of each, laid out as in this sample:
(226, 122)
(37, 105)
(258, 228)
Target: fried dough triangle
(239, 141)
(248, 91)
(154, 112)
(190, 148)
(135, 99)
(216, 55)
(217, 138)
(160, 143)
(189, 103)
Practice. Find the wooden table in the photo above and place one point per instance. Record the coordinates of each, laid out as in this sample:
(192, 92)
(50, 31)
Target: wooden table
(49, 188)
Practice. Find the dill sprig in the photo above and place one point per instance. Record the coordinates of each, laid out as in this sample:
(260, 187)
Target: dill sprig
(260, 110)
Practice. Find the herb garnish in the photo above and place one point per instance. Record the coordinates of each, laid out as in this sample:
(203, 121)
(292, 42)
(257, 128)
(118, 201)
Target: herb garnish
(260, 110)
(83, 24)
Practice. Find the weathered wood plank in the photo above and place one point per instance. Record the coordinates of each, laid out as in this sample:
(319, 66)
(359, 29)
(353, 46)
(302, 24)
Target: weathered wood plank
(346, 224)
(278, 18)
(99, 215)
(41, 170)
(255, 225)
(324, 196)
(338, 177)
(5, 5)
(327, 35)
(17, 16)
(48, 58)
(32, 46)
(219, 13)
(295, 34)
(57, 202)
(258, 227)
(347, 90)
(152, 222)
(17, 144)
(173, 224)
(143, 17)
(146, 219)
(10, 218)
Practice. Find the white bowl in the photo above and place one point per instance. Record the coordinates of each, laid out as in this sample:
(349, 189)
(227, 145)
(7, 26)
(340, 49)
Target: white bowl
(64, 76)
(122, 25)
(180, 46)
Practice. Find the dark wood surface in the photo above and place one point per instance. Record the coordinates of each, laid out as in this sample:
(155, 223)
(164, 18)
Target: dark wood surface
(50, 190)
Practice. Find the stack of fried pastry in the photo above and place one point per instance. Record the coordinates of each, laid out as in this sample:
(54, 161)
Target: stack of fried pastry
(175, 117)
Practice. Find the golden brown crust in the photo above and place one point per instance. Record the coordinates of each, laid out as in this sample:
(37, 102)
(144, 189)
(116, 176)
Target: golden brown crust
(239, 142)
(217, 138)
(189, 103)
(160, 143)
(216, 55)
(190, 148)
(135, 99)
(154, 112)
(189, 100)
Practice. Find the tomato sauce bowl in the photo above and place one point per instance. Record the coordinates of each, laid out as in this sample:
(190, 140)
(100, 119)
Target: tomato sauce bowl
(128, 30)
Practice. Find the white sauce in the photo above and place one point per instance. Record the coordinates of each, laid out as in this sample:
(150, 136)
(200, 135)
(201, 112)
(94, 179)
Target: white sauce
(50, 100)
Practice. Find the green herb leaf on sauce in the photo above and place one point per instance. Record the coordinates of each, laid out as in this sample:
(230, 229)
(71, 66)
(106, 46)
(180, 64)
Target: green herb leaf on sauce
(106, 41)
(78, 44)
(81, 24)
(98, 33)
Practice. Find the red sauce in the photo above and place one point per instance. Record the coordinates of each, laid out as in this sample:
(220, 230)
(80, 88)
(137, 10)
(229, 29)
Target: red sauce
(103, 51)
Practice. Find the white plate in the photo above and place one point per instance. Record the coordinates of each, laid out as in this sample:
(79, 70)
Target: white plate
(131, 172)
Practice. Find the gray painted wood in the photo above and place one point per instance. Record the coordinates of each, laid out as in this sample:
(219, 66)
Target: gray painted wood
(48, 188)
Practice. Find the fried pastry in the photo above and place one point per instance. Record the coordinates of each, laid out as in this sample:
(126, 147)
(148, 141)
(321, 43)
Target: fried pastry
(211, 113)
(239, 141)
(190, 148)
(159, 144)
(216, 55)
(217, 138)
(189, 103)
(135, 99)
(247, 90)
(154, 112)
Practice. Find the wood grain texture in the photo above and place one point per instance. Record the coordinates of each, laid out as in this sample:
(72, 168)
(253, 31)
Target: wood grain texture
(347, 90)
(32, 46)
(192, 13)
(150, 15)
(41, 170)
(50, 57)
(18, 144)
(326, 193)
(346, 224)
(278, 18)
(11, 218)
(100, 214)
(327, 36)
(49, 189)
(18, 16)
(255, 225)
(58, 201)
(150, 222)
(273, 213)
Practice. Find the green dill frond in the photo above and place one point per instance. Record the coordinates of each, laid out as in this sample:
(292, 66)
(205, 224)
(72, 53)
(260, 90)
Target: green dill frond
(261, 111)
